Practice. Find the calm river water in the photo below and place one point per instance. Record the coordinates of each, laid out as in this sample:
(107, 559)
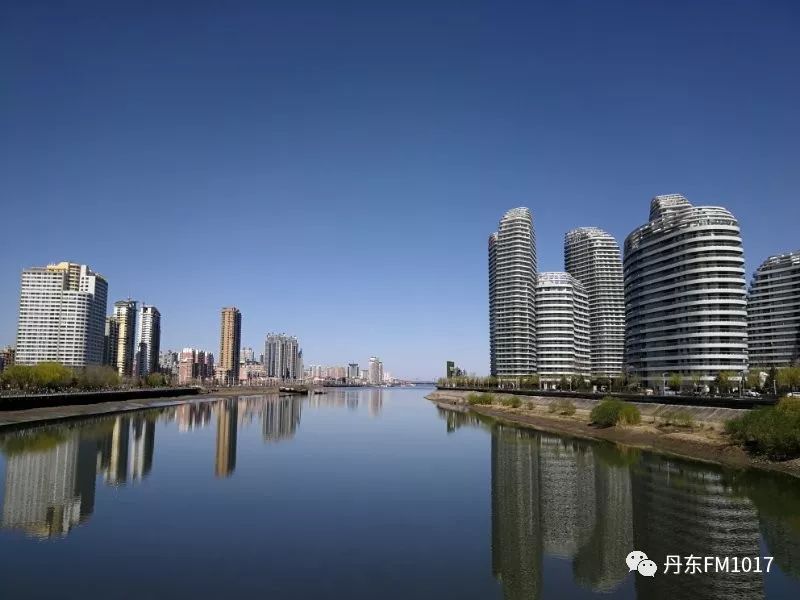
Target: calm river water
(372, 494)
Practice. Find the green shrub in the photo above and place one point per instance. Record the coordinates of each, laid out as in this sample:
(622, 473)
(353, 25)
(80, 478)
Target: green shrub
(612, 411)
(679, 418)
(629, 415)
(481, 399)
(512, 402)
(562, 406)
(773, 432)
(789, 405)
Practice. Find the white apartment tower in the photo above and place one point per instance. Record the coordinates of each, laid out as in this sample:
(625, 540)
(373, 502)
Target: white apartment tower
(592, 256)
(149, 344)
(562, 327)
(61, 315)
(685, 293)
(773, 312)
(512, 296)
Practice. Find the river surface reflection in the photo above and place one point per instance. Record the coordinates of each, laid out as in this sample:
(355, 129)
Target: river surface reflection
(364, 493)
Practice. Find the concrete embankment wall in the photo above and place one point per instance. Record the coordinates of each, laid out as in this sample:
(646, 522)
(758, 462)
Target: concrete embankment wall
(651, 411)
(80, 398)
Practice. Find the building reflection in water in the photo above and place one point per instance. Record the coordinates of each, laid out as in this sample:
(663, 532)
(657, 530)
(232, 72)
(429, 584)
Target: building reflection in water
(375, 402)
(227, 426)
(51, 471)
(682, 509)
(592, 503)
(143, 440)
(281, 418)
(50, 490)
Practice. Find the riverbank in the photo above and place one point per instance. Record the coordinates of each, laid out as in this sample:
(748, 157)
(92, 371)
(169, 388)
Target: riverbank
(12, 419)
(15, 402)
(704, 440)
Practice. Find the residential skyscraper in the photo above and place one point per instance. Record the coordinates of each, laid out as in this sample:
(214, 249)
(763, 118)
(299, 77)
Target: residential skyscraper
(512, 296)
(375, 370)
(125, 317)
(230, 341)
(111, 341)
(562, 327)
(283, 358)
(773, 312)
(61, 315)
(149, 344)
(685, 293)
(352, 371)
(592, 256)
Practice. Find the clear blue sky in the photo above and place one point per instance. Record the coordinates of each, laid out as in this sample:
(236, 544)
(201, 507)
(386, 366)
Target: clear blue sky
(334, 168)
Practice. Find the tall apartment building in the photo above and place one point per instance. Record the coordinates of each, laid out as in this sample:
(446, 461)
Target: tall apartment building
(149, 344)
(685, 293)
(375, 370)
(562, 327)
(61, 314)
(352, 371)
(512, 295)
(593, 257)
(111, 342)
(125, 318)
(773, 312)
(283, 357)
(230, 342)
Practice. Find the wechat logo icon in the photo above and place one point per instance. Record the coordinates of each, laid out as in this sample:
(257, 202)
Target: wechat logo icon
(638, 561)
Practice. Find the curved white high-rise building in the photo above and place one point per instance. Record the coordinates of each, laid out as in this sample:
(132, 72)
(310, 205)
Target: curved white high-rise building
(593, 257)
(685, 293)
(773, 312)
(562, 327)
(512, 295)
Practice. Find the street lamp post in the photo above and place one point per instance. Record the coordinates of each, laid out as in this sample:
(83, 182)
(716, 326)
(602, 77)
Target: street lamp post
(664, 384)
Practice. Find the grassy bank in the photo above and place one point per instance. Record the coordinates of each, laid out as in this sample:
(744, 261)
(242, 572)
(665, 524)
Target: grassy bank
(700, 433)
